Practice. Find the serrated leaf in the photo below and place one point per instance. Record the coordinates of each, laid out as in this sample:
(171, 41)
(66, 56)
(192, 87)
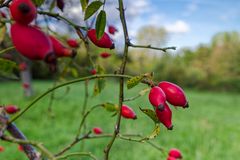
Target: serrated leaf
(6, 67)
(84, 4)
(132, 82)
(3, 30)
(151, 114)
(110, 106)
(92, 8)
(38, 2)
(154, 133)
(100, 24)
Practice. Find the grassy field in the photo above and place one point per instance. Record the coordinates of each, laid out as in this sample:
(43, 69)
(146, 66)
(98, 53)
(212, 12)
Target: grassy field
(208, 130)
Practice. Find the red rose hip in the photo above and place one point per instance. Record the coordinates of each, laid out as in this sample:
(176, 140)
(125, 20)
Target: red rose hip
(60, 50)
(23, 11)
(171, 158)
(104, 42)
(157, 97)
(127, 112)
(32, 43)
(1, 149)
(112, 29)
(11, 109)
(105, 55)
(97, 130)
(73, 43)
(175, 153)
(165, 116)
(174, 94)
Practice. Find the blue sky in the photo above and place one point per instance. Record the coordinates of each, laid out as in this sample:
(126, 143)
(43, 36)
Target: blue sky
(189, 22)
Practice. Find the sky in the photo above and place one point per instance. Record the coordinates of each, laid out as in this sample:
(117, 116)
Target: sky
(188, 22)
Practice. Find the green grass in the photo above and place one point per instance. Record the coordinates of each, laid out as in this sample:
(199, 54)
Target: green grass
(208, 130)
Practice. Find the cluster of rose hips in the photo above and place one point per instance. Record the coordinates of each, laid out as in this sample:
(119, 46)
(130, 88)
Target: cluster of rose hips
(163, 93)
(30, 40)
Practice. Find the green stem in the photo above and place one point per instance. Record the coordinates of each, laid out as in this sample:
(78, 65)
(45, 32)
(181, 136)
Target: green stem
(62, 85)
(88, 154)
(7, 49)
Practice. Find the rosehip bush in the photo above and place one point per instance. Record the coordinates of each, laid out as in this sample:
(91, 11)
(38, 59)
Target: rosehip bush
(34, 42)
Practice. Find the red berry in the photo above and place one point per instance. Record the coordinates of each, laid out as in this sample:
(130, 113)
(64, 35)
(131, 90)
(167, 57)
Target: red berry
(1, 149)
(175, 153)
(174, 94)
(22, 66)
(104, 42)
(157, 97)
(23, 11)
(11, 109)
(105, 55)
(60, 4)
(32, 43)
(128, 112)
(73, 43)
(165, 116)
(97, 130)
(112, 29)
(60, 50)
(20, 148)
(171, 158)
(25, 85)
(93, 71)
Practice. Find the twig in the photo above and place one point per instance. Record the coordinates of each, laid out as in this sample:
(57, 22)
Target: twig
(150, 47)
(7, 49)
(25, 143)
(75, 141)
(62, 85)
(6, 4)
(88, 154)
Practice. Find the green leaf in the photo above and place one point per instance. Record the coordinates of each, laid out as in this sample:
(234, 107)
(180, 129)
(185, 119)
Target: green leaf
(100, 24)
(151, 114)
(92, 8)
(84, 4)
(7, 66)
(52, 5)
(154, 133)
(38, 2)
(3, 30)
(110, 107)
(134, 81)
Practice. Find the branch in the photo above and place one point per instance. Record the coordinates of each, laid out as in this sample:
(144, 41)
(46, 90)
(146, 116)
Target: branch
(88, 154)
(121, 85)
(62, 85)
(25, 143)
(6, 4)
(58, 16)
(150, 47)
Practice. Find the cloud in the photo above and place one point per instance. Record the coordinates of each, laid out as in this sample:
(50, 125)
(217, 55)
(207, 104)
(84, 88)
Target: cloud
(178, 27)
